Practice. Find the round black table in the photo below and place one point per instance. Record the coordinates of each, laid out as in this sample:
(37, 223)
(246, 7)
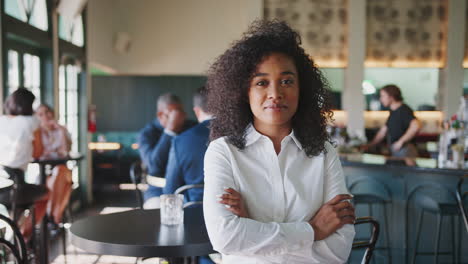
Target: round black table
(53, 162)
(138, 233)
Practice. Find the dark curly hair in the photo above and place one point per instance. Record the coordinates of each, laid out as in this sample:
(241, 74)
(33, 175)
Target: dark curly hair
(229, 79)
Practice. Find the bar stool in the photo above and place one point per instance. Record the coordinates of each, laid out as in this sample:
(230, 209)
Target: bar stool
(460, 198)
(425, 198)
(382, 197)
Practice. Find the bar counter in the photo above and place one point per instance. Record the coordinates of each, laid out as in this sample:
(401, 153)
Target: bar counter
(425, 165)
(398, 184)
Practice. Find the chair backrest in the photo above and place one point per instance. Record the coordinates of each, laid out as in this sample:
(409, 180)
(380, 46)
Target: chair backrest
(460, 197)
(188, 187)
(136, 175)
(368, 244)
(18, 246)
(364, 184)
(17, 176)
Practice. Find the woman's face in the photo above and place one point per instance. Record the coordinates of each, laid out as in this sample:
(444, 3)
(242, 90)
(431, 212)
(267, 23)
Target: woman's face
(44, 114)
(274, 91)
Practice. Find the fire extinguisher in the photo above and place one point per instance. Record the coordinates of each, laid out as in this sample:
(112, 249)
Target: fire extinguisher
(92, 118)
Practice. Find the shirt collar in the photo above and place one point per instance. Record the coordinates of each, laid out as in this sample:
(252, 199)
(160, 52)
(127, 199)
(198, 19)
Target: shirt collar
(206, 122)
(293, 136)
(252, 136)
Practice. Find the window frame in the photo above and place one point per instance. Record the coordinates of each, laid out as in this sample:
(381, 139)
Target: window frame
(21, 50)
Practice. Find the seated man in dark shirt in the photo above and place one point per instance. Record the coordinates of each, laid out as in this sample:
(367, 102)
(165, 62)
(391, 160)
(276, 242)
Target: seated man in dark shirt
(401, 125)
(185, 165)
(155, 138)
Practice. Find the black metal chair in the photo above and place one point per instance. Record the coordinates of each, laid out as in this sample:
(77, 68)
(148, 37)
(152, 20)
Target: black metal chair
(22, 196)
(188, 187)
(382, 197)
(17, 247)
(137, 173)
(369, 244)
(460, 198)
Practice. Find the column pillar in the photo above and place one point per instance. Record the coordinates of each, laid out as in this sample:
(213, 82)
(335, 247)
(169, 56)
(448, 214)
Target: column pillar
(451, 76)
(352, 99)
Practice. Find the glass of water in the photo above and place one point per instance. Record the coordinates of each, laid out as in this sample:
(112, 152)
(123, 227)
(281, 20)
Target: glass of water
(172, 212)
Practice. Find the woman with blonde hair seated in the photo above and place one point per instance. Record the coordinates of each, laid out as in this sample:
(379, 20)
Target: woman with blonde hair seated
(57, 144)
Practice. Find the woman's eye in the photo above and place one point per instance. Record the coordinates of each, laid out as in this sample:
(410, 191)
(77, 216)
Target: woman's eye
(261, 83)
(287, 81)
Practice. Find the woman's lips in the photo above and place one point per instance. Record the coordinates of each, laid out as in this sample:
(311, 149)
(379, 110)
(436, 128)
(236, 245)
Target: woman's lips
(275, 107)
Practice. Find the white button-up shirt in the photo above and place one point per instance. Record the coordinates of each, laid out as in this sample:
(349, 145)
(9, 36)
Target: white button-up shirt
(282, 193)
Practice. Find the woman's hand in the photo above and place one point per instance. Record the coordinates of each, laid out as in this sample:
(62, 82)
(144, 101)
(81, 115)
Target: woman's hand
(233, 202)
(332, 216)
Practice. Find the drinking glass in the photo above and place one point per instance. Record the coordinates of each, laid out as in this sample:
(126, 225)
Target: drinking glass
(172, 212)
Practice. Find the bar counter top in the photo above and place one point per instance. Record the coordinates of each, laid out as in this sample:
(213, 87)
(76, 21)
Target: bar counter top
(426, 165)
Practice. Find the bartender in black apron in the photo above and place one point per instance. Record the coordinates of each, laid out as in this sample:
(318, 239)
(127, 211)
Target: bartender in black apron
(401, 125)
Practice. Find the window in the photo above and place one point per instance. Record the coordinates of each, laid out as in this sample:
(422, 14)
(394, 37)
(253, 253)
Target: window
(16, 9)
(68, 105)
(72, 31)
(24, 69)
(13, 71)
(38, 16)
(31, 73)
(33, 12)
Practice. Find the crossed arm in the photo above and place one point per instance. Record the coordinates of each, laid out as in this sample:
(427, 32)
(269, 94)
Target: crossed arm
(327, 236)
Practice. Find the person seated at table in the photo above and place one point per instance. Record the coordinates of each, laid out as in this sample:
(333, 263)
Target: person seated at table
(20, 142)
(185, 163)
(155, 141)
(274, 185)
(57, 144)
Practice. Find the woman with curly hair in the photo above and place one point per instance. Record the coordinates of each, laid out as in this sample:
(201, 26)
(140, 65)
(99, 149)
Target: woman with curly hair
(274, 186)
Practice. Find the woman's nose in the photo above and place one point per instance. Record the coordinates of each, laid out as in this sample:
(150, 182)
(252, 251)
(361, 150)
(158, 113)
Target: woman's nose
(275, 91)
